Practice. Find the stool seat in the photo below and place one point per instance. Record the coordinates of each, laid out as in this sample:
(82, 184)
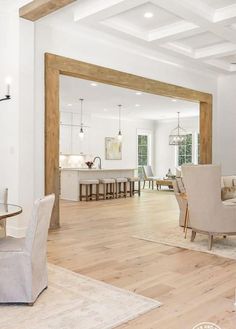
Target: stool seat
(121, 180)
(133, 179)
(89, 181)
(107, 180)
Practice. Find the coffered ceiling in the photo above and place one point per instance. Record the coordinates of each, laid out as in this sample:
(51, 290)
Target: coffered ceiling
(201, 33)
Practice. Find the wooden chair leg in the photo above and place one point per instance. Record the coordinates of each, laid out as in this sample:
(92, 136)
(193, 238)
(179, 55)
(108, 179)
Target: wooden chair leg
(187, 221)
(130, 189)
(80, 192)
(185, 218)
(139, 188)
(193, 236)
(152, 184)
(149, 182)
(210, 241)
(224, 236)
(117, 190)
(144, 183)
(97, 192)
(87, 197)
(90, 191)
(113, 190)
(125, 189)
(104, 191)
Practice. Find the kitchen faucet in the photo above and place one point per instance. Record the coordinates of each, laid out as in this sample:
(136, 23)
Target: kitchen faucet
(100, 162)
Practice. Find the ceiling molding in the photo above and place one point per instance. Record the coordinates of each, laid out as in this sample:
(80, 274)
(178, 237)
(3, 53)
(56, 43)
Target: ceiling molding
(40, 8)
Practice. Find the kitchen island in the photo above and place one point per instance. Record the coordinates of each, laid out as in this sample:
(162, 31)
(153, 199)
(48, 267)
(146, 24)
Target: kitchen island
(70, 177)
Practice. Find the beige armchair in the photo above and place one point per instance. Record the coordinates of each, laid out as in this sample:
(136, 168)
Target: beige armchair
(182, 201)
(23, 274)
(208, 214)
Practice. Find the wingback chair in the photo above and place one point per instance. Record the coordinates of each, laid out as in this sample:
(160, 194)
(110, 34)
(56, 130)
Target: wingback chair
(182, 202)
(23, 274)
(4, 200)
(208, 214)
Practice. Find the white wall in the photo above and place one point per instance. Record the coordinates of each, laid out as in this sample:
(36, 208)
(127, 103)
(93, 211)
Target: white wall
(226, 142)
(165, 155)
(16, 119)
(93, 143)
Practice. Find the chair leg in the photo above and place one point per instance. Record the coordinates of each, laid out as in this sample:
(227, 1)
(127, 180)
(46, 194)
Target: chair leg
(125, 190)
(97, 192)
(152, 184)
(117, 192)
(113, 190)
(224, 236)
(139, 188)
(149, 183)
(80, 192)
(91, 192)
(210, 241)
(130, 189)
(187, 221)
(104, 191)
(193, 236)
(87, 198)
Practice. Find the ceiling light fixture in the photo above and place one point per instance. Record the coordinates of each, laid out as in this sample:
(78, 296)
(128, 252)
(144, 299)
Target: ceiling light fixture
(93, 84)
(81, 133)
(174, 100)
(177, 135)
(148, 14)
(137, 105)
(138, 93)
(69, 104)
(119, 136)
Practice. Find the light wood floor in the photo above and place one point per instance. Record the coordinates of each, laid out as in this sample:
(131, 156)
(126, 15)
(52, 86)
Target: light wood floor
(95, 239)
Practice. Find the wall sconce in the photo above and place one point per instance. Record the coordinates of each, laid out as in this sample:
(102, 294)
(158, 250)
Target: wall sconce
(7, 96)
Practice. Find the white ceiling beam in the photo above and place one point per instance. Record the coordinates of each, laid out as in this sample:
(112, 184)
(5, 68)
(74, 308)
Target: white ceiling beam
(222, 49)
(171, 30)
(99, 10)
(224, 14)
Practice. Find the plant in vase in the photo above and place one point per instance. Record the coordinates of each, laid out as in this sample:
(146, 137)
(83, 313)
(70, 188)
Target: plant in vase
(89, 164)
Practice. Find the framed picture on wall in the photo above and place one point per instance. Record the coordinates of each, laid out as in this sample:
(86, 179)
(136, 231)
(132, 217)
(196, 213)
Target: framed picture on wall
(113, 148)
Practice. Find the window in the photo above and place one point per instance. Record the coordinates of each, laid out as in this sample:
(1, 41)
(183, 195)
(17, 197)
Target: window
(142, 150)
(185, 151)
(144, 156)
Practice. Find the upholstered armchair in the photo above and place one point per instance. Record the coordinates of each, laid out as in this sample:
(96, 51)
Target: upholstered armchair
(23, 274)
(208, 214)
(182, 201)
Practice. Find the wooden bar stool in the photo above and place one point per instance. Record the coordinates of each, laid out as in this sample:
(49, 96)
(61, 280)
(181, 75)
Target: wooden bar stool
(132, 188)
(119, 182)
(89, 186)
(108, 188)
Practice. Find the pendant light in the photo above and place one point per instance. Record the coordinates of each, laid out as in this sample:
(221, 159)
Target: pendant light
(81, 133)
(177, 135)
(119, 136)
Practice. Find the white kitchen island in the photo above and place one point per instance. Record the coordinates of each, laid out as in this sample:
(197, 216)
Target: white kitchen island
(70, 177)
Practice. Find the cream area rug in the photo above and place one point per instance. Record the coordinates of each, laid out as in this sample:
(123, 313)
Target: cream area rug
(74, 301)
(174, 236)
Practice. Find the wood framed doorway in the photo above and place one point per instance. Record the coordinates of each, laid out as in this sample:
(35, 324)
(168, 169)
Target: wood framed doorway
(56, 65)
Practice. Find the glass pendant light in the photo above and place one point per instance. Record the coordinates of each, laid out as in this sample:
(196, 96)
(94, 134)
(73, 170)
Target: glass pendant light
(177, 135)
(81, 133)
(119, 136)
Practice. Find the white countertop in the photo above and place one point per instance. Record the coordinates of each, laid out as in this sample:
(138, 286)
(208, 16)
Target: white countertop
(96, 169)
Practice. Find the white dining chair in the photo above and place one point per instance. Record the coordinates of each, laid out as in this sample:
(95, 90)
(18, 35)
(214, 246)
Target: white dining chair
(23, 274)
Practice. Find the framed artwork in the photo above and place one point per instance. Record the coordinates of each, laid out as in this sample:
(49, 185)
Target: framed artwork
(113, 148)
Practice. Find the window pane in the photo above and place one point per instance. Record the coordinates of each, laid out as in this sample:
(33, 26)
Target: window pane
(185, 151)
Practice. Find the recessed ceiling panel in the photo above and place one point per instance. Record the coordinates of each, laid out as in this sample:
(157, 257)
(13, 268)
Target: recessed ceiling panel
(217, 4)
(136, 17)
(201, 40)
